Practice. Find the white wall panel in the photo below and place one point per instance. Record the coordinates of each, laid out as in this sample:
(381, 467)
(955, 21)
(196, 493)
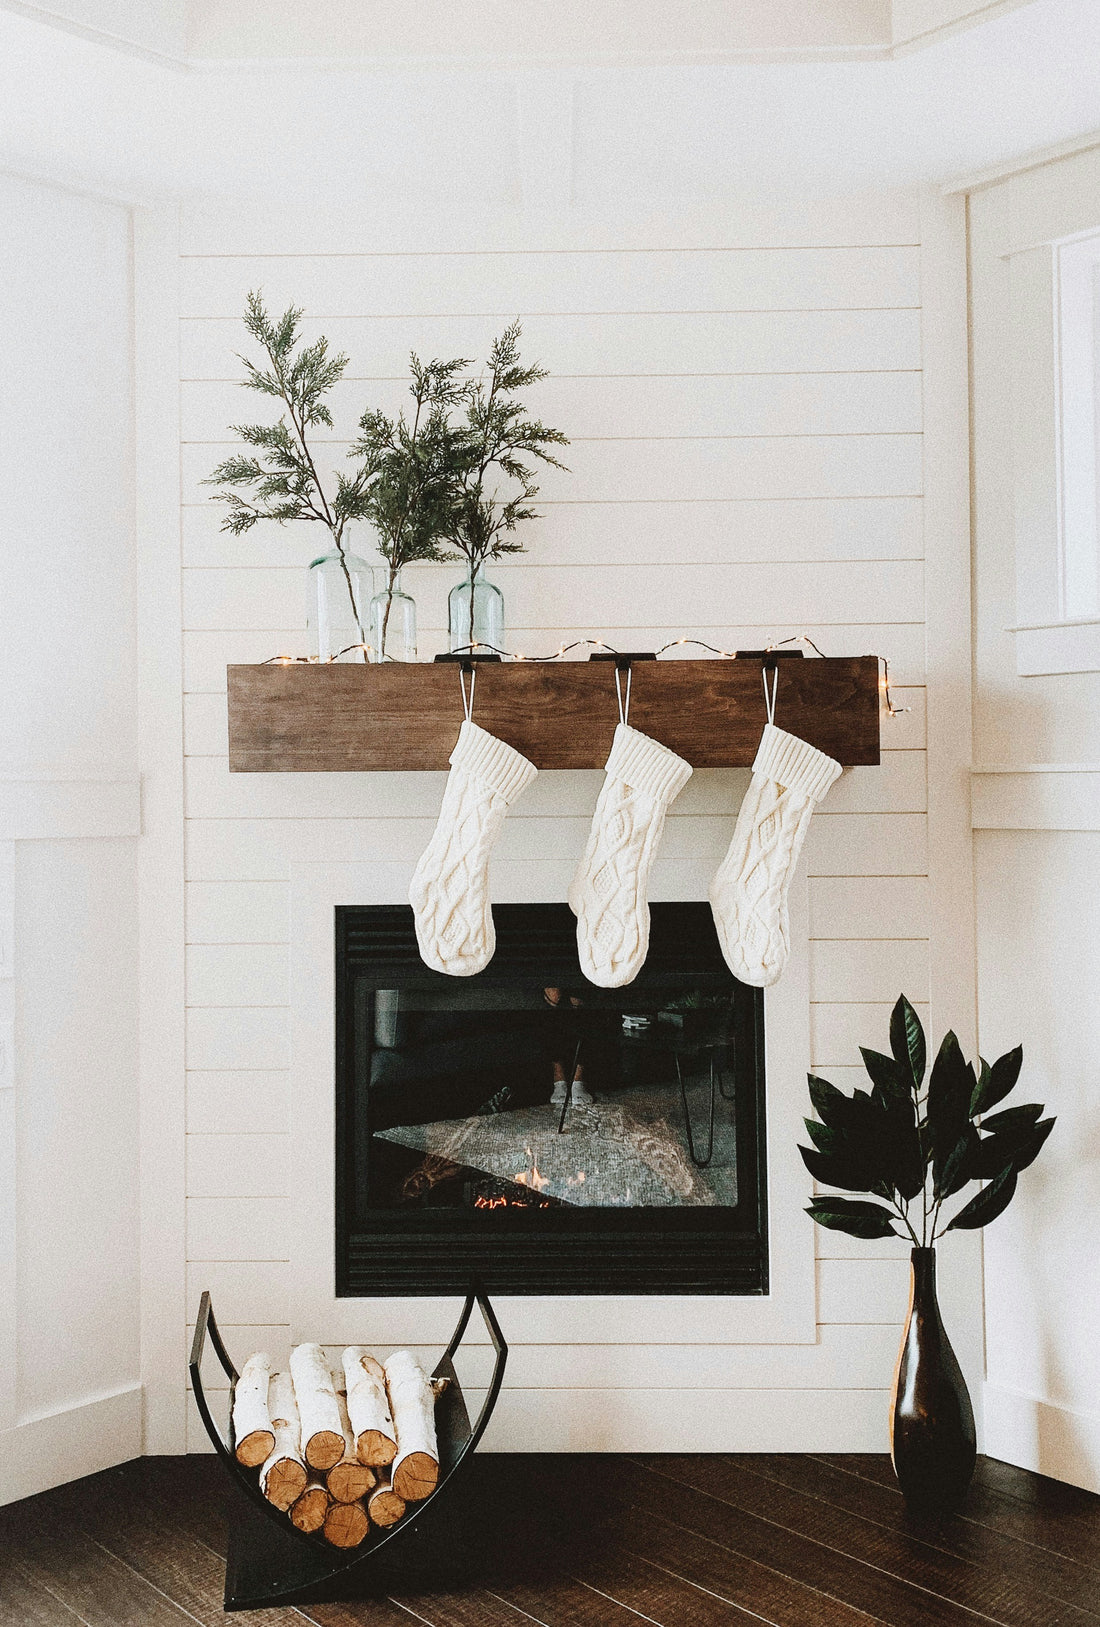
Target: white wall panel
(237, 974)
(874, 971)
(415, 285)
(878, 906)
(243, 1037)
(227, 1101)
(238, 1166)
(237, 912)
(838, 1030)
(664, 342)
(237, 1229)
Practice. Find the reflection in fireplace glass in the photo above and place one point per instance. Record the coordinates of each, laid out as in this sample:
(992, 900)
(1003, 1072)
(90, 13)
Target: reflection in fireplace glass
(536, 1096)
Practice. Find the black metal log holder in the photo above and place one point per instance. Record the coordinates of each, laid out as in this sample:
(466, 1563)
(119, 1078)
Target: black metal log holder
(270, 1562)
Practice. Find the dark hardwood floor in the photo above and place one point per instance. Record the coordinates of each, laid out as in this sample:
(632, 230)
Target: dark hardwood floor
(692, 1541)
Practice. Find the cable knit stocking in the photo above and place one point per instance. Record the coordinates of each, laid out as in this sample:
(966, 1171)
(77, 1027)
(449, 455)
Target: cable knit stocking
(609, 891)
(749, 893)
(449, 892)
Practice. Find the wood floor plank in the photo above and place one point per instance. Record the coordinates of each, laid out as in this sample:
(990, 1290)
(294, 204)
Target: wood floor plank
(799, 1557)
(1077, 1509)
(98, 1588)
(985, 1592)
(648, 1589)
(719, 1567)
(568, 1602)
(477, 1608)
(26, 1603)
(987, 1506)
(1021, 1564)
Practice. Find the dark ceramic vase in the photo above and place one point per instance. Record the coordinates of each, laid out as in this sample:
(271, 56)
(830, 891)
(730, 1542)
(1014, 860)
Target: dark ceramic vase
(933, 1442)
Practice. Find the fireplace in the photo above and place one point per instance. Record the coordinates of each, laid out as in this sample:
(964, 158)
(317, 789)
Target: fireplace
(526, 1130)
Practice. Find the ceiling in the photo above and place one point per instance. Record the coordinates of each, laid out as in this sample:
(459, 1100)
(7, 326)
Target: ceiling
(148, 98)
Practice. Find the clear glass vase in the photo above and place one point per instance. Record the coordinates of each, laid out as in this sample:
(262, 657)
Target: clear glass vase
(393, 624)
(475, 614)
(338, 617)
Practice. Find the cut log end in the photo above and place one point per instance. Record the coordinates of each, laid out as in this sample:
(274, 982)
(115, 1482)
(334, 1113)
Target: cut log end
(416, 1477)
(285, 1483)
(346, 1524)
(347, 1482)
(308, 1513)
(375, 1449)
(325, 1449)
(256, 1448)
(385, 1507)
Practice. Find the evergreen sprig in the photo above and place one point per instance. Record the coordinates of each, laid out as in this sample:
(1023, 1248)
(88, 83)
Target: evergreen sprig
(282, 483)
(497, 435)
(905, 1140)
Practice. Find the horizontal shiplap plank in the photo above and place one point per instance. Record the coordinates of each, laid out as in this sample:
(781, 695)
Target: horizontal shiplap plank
(413, 285)
(872, 971)
(207, 653)
(238, 912)
(238, 1037)
(243, 1293)
(238, 1102)
(265, 849)
(238, 1229)
(791, 218)
(862, 1291)
(774, 530)
(837, 1030)
(545, 597)
(700, 404)
(598, 345)
(869, 906)
(896, 785)
(238, 974)
(906, 728)
(711, 467)
(881, 844)
(256, 1165)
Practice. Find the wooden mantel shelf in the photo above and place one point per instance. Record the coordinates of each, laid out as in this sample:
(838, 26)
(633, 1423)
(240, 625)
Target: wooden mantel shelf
(303, 717)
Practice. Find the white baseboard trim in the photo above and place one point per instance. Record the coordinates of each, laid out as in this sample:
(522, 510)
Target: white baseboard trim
(69, 1443)
(1044, 1436)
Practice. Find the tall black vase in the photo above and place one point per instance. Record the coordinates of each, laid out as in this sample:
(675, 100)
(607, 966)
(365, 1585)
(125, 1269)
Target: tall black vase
(933, 1441)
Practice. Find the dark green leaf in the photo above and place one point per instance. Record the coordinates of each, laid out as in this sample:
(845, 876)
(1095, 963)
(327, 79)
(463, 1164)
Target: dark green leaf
(838, 1170)
(992, 1201)
(1014, 1120)
(824, 1138)
(958, 1165)
(995, 1085)
(887, 1077)
(858, 1219)
(950, 1088)
(1016, 1147)
(907, 1041)
(829, 1103)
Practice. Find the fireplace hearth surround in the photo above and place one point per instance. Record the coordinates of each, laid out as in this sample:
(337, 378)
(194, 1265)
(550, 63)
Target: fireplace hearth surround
(530, 1132)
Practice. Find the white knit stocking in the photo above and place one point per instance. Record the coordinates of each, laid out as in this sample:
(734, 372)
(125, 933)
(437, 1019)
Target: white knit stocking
(749, 893)
(608, 894)
(449, 892)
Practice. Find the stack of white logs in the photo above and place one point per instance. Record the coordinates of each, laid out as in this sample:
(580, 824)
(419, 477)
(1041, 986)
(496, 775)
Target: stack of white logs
(338, 1448)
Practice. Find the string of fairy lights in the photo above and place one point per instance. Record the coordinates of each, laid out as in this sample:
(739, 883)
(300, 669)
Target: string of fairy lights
(590, 643)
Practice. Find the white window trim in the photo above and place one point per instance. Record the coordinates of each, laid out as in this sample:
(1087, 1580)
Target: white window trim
(1055, 474)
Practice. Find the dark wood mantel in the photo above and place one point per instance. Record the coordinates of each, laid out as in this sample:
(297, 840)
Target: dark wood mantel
(308, 717)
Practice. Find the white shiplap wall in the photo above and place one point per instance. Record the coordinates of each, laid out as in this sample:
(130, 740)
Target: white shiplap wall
(747, 463)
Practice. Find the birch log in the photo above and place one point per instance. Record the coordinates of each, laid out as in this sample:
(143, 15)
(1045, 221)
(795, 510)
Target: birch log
(308, 1513)
(318, 1408)
(384, 1506)
(412, 1403)
(283, 1476)
(252, 1429)
(346, 1524)
(349, 1479)
(369, 1407)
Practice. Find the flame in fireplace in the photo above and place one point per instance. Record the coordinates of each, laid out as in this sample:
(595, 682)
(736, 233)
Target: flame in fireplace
(533, 1177)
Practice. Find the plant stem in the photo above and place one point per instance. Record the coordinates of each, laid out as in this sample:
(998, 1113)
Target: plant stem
(473, 581)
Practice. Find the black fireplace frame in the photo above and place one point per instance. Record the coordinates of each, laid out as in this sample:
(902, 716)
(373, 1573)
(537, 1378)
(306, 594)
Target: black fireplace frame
(680, 1251)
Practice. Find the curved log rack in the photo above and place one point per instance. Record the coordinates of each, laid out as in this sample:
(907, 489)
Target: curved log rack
(340, 716)
(270, 1562)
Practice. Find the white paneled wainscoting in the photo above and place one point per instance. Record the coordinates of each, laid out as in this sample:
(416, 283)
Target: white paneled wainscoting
(768, 439)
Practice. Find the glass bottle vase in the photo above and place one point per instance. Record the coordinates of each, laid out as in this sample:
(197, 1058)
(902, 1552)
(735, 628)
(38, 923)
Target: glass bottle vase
(338, 615)
(932, 1434)
(475, 614)
(393, 624)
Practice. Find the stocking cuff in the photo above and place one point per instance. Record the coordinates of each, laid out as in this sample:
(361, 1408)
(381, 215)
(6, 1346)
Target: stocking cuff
(794, 763)
(497, 766)
(647, 766)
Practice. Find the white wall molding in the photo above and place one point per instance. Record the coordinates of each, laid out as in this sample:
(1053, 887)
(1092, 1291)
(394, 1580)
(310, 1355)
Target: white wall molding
(1050, 1439)
(1060, 646)
(51, 1450)
(35, 808)
(1036, 796)
(161, 856)
(978, 180)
